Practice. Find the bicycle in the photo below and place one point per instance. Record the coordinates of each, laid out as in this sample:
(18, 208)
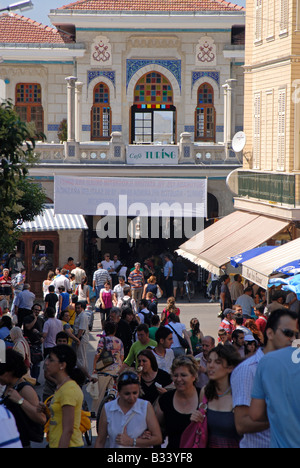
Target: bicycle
(189, 288)
(110, 393)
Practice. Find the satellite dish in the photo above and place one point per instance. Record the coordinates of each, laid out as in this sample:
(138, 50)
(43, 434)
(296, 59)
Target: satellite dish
(238, 142)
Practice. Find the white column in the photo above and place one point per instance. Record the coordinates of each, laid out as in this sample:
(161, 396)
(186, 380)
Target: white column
(71, 80)
(78, 110)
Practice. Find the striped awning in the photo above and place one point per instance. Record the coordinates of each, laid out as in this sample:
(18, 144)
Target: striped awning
(49, 221)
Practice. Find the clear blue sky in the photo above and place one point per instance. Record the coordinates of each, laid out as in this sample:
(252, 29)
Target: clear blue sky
(42, 7)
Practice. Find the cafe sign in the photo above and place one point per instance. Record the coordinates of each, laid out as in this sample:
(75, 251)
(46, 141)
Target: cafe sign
(152, 155)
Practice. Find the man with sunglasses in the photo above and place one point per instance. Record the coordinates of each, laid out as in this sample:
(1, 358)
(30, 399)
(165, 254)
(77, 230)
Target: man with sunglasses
(256, 434)
(275, 393)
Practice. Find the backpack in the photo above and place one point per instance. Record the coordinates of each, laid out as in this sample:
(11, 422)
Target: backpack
(126, 304)
(147, 318)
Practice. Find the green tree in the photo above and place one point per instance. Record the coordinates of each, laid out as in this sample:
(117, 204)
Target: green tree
(20, 199)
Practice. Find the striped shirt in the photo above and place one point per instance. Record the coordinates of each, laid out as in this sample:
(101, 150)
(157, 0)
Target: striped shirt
(242, 379)
(100, 277)
(136, 279)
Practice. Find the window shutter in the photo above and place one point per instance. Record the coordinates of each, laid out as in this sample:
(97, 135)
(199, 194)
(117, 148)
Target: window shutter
(258, 21)
(284, 15)
(256, 136)
(281, 130)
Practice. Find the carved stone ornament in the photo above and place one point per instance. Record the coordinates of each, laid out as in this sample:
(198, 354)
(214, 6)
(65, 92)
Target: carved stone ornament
(206, 52)
(101, 54)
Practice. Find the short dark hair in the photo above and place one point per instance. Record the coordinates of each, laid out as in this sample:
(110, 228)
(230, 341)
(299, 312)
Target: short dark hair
(14, 363)
(51, 288)
(143, 327)
(109, 327)
(162, 333)
(61, 336)
(274, 319)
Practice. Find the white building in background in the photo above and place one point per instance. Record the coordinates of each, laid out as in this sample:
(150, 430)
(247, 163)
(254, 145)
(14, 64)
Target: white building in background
(154, 74)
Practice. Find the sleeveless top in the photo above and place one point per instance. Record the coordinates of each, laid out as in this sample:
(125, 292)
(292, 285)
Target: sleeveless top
(134, 419)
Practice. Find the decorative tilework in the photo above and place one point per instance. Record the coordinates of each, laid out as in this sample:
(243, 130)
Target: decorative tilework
(86, 128)
(134, 65)
(53, 128)
(220, 128)
(110, 75)
(210, 74)
(189, 128)
(116, 128)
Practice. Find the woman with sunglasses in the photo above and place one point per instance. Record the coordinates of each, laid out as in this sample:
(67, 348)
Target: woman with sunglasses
(124, 421)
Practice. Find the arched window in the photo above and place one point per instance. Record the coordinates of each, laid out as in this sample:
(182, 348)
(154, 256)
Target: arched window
(153, 113)
(101, 113)
(29, 104)
(205, 114)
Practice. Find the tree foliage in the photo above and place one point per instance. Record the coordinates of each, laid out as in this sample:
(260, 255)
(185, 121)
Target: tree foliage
(20, 199)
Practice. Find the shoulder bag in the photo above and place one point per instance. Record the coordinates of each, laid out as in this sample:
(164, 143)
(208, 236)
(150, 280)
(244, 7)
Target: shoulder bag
(105, 359)
(196, 433)
(183, 342)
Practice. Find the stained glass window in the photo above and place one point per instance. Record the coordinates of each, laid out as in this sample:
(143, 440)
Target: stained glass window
(101, 113)
(205, 114)
(153, 88)
(101, 94)
(28, 93)
(29, 104)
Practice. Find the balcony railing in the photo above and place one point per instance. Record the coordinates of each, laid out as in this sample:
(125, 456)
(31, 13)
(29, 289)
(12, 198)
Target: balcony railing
(116, 151)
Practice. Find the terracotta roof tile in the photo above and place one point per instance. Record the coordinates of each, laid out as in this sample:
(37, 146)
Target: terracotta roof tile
(19, 29)
(154, 5)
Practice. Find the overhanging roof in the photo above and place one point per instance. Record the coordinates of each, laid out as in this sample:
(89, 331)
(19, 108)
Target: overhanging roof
(260, 269)
(233, 234)
(49, 221)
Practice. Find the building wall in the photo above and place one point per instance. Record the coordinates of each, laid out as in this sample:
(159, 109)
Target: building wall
(158, 52)
(271, 68)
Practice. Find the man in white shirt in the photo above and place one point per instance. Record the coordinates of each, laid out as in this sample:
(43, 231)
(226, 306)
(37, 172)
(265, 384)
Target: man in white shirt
(79, 273)
(61, 280)
(163, 352)
(81, 330)
(119, 289)
(145, 314)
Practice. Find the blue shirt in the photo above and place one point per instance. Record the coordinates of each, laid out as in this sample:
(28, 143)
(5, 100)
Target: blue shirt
(277, 381)
(25, 299)
(167, 266)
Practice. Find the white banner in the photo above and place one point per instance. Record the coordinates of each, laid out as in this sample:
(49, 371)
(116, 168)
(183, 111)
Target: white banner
(130, 196)
(152, 155)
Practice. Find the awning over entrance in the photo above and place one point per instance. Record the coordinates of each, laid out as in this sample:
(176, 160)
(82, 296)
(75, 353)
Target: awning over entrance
(236, 233)
(49, 221)
(260, 269)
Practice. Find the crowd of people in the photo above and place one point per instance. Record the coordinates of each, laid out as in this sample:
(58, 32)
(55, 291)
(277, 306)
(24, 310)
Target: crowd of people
(163, 372)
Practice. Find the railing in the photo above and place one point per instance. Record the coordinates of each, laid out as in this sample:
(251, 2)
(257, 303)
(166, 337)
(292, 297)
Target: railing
(115, 151)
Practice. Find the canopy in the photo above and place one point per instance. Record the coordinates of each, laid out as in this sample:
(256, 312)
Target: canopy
(261, 268)
(49, 221)
(243, 257)
(288, 284)
(235, 233)
(291, 268)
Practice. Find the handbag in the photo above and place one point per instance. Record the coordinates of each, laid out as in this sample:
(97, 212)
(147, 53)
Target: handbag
(36, 354)
(196, 433)
(105, 359)
(183, 342)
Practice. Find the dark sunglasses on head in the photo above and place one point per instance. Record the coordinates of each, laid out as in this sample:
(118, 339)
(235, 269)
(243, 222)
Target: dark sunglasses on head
(289, 333)
(128, 377)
